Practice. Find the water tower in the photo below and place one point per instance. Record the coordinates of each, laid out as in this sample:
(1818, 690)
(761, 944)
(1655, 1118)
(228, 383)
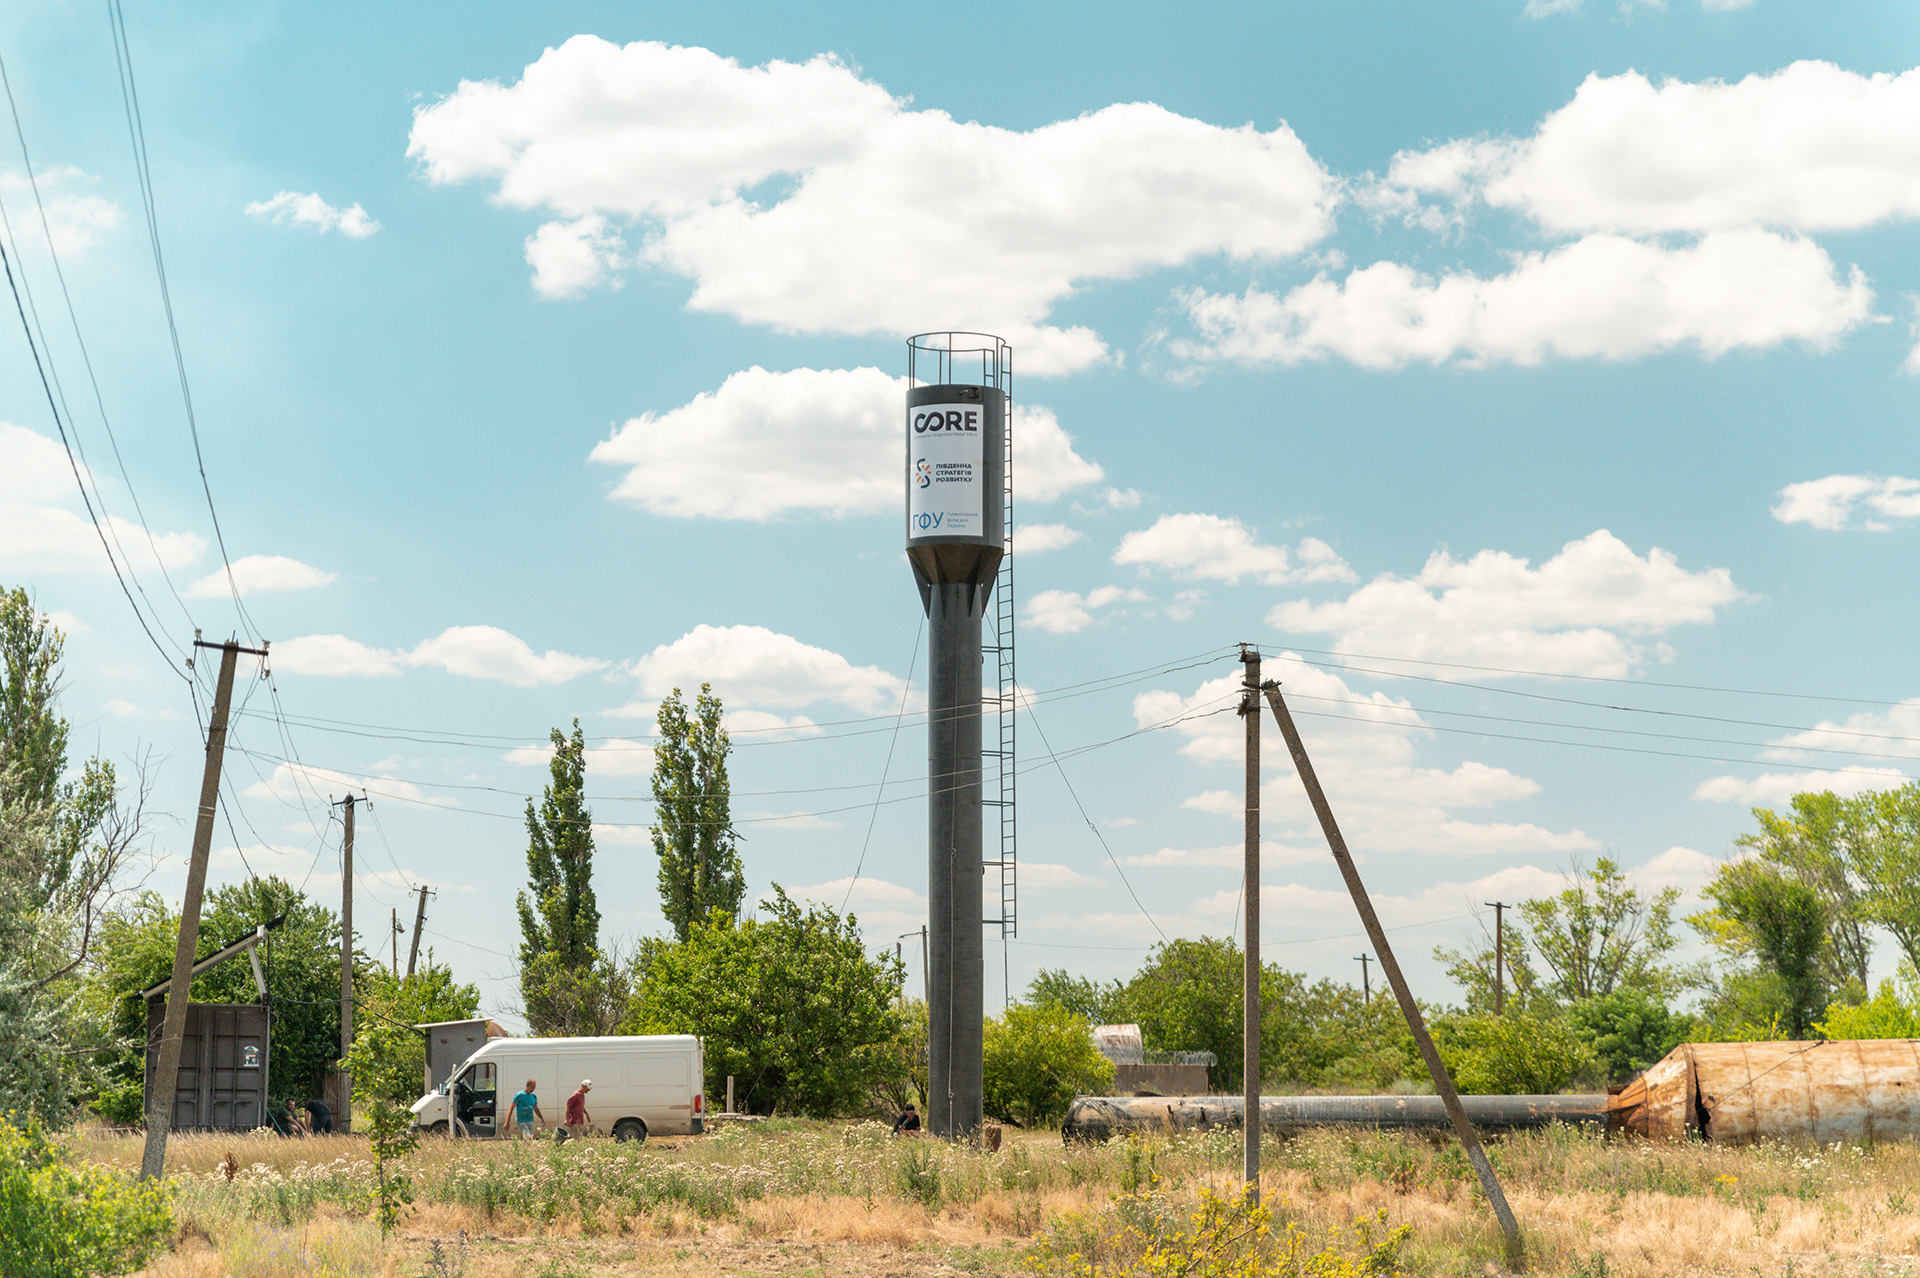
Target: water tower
(958, 394)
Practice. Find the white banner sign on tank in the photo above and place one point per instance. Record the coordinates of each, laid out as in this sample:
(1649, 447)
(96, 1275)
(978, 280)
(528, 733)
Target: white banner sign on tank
(946, 472)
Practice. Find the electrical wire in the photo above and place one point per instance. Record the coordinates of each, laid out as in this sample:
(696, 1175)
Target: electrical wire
(894, 740)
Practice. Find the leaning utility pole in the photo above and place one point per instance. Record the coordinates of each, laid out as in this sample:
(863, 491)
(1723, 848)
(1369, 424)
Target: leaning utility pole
(1499, 959)
(345, 1116)
(1449, 1098)
(419, 921)
(173, 1024)
(1250, 978)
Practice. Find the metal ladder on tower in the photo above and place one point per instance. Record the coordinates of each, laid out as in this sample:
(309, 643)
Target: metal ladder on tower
(1000, 796)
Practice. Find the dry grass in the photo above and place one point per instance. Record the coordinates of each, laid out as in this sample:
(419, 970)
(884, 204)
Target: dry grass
(836, 1199)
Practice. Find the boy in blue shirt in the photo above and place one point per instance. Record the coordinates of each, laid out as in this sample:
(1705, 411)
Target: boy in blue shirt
(524, 1108)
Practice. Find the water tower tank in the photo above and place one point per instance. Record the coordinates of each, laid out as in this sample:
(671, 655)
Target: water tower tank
(956, 484)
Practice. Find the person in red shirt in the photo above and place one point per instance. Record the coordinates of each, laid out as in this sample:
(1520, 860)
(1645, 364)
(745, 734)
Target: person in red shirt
(577, 1116)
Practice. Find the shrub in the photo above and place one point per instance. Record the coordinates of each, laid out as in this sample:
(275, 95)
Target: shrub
(1886, 1015)
(1627, 1030)
(1035, 1060)
(66, 1221)
(1519, 1053)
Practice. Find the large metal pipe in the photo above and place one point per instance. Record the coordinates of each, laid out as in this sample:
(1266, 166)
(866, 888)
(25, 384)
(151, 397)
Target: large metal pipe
(1099, 1118)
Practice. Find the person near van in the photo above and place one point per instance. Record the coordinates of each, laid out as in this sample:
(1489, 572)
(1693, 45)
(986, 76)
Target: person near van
(524, 1109)
(577, 1116)
(908, 1123)
(319, 1117)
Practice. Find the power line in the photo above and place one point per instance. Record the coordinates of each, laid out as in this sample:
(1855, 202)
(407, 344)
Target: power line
(137, 135)
(894, 740)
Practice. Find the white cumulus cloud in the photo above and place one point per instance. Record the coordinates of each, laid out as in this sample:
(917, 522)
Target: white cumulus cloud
(77, 220)
(754, 666)
(807, 441)
(1365, 749)
(1065, 612)
(1833, 502)
(614, 757)
(1582, 612)
(1776, 789)
(473, 652)
(1034, 539)
(1600, 297)
(253, 574)
(1223, 549)
(799, 196)
(1809, 147)
(43, 525)
(293, 208)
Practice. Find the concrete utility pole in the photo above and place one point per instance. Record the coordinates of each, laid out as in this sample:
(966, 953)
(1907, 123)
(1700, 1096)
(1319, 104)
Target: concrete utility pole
(1366, 990)
(173, 1024)
(1499, 959)
(345, 1117)
(419, 921)
(1250, 982)
(1390, 968)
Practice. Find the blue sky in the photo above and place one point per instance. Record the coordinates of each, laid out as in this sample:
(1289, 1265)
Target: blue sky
(1535, 384)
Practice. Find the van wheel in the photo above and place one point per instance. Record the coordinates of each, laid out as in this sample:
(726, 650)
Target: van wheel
(439, 1129)
(630, 1129)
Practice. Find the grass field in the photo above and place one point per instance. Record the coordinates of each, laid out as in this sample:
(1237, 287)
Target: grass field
(843, 1199)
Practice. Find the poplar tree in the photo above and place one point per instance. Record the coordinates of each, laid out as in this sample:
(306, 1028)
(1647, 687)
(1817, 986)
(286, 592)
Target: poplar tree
(559, 917)
(693, 834)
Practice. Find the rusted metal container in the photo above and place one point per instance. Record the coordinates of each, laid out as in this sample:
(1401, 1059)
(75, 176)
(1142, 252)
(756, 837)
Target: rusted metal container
(1843, 1090)
(1100, 1118)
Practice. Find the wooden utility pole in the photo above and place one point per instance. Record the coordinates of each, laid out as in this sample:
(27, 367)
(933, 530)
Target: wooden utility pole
(1469, 1139)
(1250, 991)
(173, 1024)
(393, 941)
(1366, 990)
(419, 921)
(1499, 959)
(345, 1123)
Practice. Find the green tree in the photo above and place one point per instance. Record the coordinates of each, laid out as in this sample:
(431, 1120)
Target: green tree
(389, 1058)
(1820, 843)
(790, 1004)
(1035, 1060)
(1092, 1002)
(1781, 923)
(301, 961)
(1884, 845)
(559, 915)
(693, 834)
(1598, 934)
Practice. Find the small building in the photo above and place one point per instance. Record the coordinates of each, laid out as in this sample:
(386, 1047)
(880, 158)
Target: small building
(1138, 1072)
(450, 1043)
(224, 1049)
(1838, 1090)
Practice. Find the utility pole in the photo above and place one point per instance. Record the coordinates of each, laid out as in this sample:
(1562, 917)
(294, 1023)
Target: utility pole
(925, 979)
(1499, 959)
(173, 1024)
(419, 920)
(1250, 992)
(393, 941)
(346, 966)
(1366, 990)
(1416, 1023)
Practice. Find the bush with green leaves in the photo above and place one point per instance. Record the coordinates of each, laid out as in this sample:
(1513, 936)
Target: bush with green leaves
(1628, 1030)
(62, 1220)
(791, 1004)
(1886, 1015)
(1035, 1060)
(1521, 1053)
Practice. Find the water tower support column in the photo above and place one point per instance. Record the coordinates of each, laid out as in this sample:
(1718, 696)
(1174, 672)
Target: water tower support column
(955, 874)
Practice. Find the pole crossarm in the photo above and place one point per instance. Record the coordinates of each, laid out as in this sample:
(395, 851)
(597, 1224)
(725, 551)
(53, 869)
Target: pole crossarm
(1390, 967)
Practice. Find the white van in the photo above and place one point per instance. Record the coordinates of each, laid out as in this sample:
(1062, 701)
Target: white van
(642, 1085)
